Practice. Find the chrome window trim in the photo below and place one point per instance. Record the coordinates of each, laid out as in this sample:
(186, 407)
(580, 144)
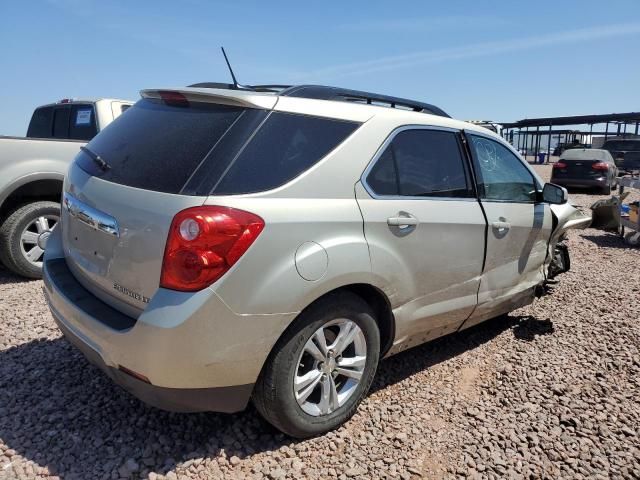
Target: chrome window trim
(383, 147)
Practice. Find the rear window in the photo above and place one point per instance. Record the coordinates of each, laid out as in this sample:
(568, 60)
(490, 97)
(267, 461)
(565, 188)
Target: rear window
(82, 124)
(211, 149)
(63, 122)
(41, 122)
(61, 117)
(157, 146)
(585, 154)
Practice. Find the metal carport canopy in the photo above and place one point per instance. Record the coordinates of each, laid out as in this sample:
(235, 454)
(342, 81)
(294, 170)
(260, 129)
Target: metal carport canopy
(574, 120)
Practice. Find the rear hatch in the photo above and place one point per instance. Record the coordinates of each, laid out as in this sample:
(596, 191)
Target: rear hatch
(123, 191)
(171, 151)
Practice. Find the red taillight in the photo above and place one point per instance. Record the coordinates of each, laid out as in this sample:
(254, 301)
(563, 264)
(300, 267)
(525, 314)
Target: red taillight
(559, 165)
(203, 243)
(175, 99)
(600, 166)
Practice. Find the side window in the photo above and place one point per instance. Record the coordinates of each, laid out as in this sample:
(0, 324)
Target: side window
(83, 122)
(383, 177)
(285, 146)
(421, 163)
(500, 174)
(61, 122)
(40, 125)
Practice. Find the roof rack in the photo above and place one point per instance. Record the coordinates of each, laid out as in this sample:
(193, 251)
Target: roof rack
(345, 95)
(246, 88)
(322, 92)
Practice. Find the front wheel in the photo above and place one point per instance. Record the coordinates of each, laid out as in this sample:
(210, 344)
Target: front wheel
(19, 234)
(322, 367)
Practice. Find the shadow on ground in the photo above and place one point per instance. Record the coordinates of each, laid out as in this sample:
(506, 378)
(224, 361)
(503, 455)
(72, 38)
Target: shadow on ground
(608, 240)
(62, 413)
(8, 277)
(405, 364)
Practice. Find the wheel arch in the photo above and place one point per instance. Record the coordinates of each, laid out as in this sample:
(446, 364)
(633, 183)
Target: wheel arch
(375, 298)
(35, 186)
(379, 303)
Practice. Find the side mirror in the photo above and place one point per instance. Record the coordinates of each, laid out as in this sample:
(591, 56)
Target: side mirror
(554, 194)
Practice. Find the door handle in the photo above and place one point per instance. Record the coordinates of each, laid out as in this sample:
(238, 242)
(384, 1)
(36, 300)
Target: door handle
(403, 220)
(502, 227)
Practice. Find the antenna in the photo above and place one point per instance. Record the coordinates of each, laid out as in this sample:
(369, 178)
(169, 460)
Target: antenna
(226, 59)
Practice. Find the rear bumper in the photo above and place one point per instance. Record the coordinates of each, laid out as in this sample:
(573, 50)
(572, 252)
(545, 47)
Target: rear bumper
(197, 354)
(217, 399)
(580, 182)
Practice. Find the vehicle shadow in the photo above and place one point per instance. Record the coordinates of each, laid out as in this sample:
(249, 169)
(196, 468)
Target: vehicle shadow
(8, 277)
(608, 240)
(67, 417)
(408, 363)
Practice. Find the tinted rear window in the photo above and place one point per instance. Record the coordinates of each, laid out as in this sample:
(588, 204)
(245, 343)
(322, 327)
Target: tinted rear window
(82, 125)
(41, 122)
(61, 122)
(157, 146)
(210, 149)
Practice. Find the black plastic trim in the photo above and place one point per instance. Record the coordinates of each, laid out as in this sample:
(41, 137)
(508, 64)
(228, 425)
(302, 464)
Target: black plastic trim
(66, 283)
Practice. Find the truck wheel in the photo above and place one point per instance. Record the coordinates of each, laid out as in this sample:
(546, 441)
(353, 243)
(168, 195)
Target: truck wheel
(19, 234)
(321, 368)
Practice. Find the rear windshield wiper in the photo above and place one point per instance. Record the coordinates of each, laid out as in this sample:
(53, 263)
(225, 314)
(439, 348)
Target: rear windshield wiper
(97, 159)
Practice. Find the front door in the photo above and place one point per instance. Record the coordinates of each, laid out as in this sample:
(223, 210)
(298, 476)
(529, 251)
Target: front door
(425, 231)
(518, 228)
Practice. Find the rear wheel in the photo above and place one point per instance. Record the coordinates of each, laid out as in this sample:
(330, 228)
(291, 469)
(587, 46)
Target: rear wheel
(19, 235)
(606, 190)
(321, 368)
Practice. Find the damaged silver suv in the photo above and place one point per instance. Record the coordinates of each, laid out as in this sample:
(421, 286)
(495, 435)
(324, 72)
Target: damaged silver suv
(218, 246)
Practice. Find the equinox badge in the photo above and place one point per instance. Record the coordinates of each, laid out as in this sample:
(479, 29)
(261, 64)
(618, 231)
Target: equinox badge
(129, 293)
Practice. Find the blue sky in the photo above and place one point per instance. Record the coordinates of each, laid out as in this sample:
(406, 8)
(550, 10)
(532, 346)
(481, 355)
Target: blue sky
(499, 60)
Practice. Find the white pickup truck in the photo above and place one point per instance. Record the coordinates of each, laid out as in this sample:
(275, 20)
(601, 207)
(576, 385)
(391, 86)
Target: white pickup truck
(32, 169)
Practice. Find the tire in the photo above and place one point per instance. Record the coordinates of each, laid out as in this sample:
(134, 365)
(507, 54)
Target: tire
(24, 220)
(274, 395)
(606, 190)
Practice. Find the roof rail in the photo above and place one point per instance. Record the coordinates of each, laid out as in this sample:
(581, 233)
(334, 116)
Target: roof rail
(342, 94)
(247, 88)
(322, 92)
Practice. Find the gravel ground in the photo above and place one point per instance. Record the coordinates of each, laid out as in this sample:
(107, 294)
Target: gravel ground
(551, 391)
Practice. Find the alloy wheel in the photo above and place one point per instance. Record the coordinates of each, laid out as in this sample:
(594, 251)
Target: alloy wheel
(330, 367)
(32, 252)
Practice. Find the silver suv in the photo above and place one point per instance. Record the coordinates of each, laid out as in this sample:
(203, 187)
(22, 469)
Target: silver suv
(218, 246)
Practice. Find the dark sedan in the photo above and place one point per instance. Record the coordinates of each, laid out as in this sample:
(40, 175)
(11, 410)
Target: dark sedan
(589, 168)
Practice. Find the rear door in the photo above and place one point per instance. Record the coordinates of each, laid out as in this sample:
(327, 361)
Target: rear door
(425, 230)
(518, 228)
